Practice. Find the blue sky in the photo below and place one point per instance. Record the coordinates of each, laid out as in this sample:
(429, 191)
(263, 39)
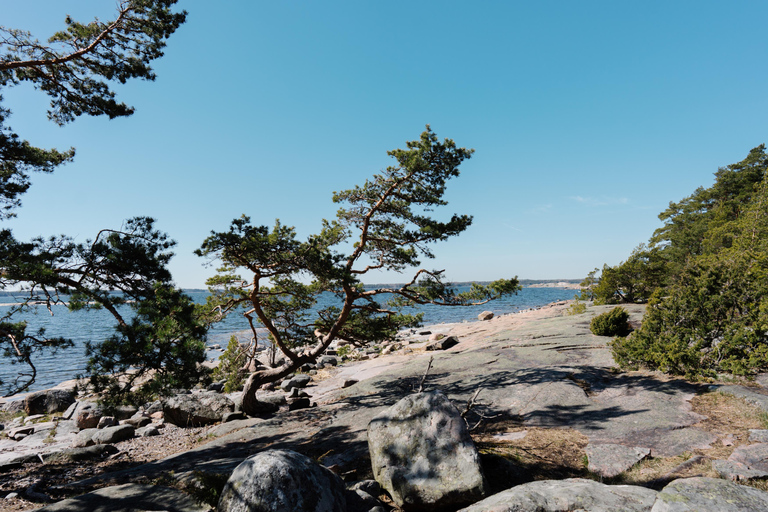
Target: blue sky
(587, 119)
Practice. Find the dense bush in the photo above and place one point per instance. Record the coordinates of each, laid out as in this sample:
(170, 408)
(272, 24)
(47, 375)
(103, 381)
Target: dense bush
(712, 316)
(612, 323)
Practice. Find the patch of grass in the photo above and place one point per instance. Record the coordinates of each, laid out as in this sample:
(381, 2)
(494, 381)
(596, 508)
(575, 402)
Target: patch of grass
(542, 454)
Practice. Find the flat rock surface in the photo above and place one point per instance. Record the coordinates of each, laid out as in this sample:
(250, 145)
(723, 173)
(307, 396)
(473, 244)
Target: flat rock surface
(129, 498)
(754, 456)
(573, 494)
(545, 368)
(709, 495)
(609, 460)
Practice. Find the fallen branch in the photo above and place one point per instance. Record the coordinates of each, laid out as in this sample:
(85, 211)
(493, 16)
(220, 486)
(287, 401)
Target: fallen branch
(424, 377)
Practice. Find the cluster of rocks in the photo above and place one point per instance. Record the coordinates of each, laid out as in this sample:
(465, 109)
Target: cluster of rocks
(53, 425)
(423, 458)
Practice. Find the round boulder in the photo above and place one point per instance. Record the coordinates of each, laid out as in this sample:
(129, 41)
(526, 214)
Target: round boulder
(423, 455)
(282, 480)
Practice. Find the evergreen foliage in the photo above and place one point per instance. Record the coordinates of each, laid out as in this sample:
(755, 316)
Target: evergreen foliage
(76, 68)
(612, 323)
(389, 222)
(231, 366)
(712, 315)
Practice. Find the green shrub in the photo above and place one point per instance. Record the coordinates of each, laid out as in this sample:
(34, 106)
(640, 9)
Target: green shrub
(230, 363)
(612, 323)
(576, 308)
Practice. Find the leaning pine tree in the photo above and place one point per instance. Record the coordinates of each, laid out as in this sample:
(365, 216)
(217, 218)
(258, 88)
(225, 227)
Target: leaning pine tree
(388, 220)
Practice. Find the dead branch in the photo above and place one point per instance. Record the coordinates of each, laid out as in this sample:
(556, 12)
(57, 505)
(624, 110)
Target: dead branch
(424, 377)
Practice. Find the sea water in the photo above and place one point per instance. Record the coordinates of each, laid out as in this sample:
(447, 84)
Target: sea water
(97, 325)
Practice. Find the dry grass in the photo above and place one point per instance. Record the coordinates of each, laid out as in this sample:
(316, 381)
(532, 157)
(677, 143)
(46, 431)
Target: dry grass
(559, 453)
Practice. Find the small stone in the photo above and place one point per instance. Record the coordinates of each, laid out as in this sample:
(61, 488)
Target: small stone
(19, 433)
(32, 418)
(485, 315)
(299, 403)
(443, 344)
(232, 416)
(349, 382)
(106, 421)
(148, 431)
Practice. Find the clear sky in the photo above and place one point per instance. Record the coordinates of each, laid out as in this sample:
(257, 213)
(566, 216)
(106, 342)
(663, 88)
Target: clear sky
(587, 119)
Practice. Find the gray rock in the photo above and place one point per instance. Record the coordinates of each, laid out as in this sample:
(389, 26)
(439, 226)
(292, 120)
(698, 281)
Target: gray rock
(216, 386)
(282, 480)
(485, 315)
(299, 403)
(609, 460)
(17, 433)
(147, 431)
(114, 434)
(68, 414)
(84, 438)
(758, 436)
(736, 471)
(49, 401)
(138, 420)
(79, 454)
(297, 381)
(14, 407)
(123, 412)
(265, 403)
(129, 498)
(443, 343)
(87, 416)
(754, 456)
(709, 495)
(360, 501)
(568, 495)
(233, 416)
(422, 454)
(196, 410)
(151, 408)
(372, 487)
(106, 421)
(328, 360)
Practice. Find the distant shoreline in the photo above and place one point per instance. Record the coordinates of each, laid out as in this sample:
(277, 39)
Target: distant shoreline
(566, 285)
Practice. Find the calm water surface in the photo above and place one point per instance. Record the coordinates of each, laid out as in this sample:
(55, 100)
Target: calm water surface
(82, 326)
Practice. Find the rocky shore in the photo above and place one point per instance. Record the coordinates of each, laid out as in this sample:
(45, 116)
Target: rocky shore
(519, 412)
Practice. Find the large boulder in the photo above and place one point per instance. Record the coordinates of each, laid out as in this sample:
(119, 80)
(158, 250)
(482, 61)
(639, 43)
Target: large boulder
(49, 401)
(568, 495)
(282, 480)
(423, 455)
(709, 495)
(196, 410)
